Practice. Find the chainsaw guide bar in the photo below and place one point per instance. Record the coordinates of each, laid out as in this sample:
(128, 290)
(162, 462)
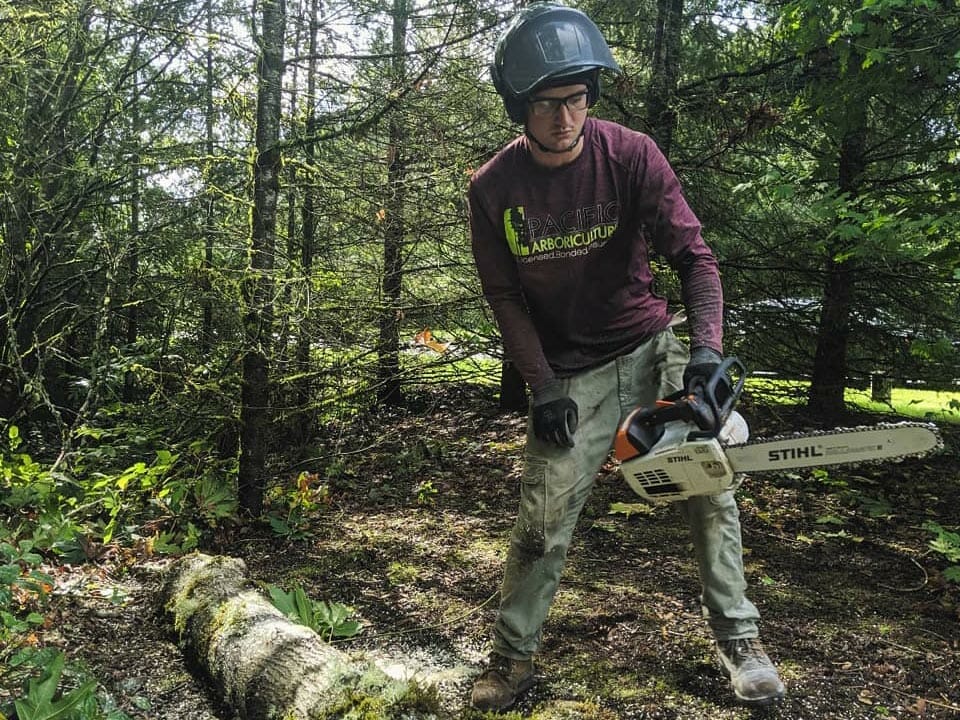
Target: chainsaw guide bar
(694, 443)
(883, 442)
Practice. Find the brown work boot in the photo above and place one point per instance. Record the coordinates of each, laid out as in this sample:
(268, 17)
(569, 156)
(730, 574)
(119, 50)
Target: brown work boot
(754, 678)
(503, 681)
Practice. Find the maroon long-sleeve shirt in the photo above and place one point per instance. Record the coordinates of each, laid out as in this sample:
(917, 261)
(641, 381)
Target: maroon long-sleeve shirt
(562, 253)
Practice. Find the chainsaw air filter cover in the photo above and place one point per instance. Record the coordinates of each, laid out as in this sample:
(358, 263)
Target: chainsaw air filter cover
(678, 467)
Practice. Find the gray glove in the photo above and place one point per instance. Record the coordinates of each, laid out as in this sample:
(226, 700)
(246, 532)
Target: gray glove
(703, 363)
(555, 415)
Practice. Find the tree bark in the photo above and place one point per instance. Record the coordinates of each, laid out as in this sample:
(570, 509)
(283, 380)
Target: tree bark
(265, 665)
(312, 201)
(209, 218)
(513, 390)
(829, 378)
(662, 91)
(389, 389)
(255, 410)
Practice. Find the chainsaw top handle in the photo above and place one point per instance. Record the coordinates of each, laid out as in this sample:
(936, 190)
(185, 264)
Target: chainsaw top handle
(707, 405)
(714, 403)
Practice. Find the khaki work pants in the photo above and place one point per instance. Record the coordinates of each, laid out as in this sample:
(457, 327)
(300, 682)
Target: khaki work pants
(557, 481)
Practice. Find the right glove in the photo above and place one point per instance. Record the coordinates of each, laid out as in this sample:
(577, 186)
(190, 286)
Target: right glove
(555, 416)
(703, 363)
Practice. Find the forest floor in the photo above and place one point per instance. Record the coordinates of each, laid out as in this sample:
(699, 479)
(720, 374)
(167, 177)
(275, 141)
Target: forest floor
(856, 611)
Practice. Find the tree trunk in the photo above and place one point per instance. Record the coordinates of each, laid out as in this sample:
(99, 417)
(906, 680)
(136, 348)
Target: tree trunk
(829, 379)
(308, 242)
(133, 253)
(265, 665)
(661, 93)
(513, 389)
(388, 346)
(209, 219)
(258, 322)
(41, 212)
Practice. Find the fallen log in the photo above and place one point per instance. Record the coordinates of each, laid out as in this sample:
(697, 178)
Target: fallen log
(266, 666)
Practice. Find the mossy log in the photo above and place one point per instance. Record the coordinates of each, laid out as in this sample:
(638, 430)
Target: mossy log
(268, 667)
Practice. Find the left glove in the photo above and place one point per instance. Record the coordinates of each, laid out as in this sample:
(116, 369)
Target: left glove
(703, 363)
(555, 416)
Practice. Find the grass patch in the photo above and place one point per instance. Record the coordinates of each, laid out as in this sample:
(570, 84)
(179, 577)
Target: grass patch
(938, 405)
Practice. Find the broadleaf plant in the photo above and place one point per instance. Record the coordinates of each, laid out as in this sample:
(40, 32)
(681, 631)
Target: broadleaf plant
(327, 619)
(40, 704)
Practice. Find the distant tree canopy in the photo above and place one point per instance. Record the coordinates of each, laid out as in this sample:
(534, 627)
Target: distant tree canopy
(818, 142)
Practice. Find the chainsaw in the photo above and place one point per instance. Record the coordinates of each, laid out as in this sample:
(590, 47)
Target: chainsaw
(695, 443)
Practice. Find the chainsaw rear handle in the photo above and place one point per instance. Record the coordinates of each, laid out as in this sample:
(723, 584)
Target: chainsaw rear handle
(705, 405)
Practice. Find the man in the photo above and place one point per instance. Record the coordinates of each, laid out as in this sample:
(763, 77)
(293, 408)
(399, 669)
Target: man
(561, 219)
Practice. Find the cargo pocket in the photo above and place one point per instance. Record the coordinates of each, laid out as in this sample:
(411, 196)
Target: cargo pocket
(528, 530)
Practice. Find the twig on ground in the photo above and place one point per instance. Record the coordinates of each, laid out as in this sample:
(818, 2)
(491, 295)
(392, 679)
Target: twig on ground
(888, 688)
(923, 584)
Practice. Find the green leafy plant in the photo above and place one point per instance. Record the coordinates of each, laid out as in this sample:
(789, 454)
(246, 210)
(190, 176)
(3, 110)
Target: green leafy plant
(216, 500)
(328, 619)
(24, 482)
(23, 588)
(335, 620)
(41, 702)
(946, 543)
(175, 487)
(426, 493)
(295, 506)
(823, 477)
(399, 573)
(176, 543)
(875, 507)
(293, 526)
(113, 490)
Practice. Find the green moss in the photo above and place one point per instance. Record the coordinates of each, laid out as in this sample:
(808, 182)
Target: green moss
(371, 698)
(552, 710)
(187, 603)
(181, 604)
(182, 611)
(399, 573)
(171, 680)
(226, 616)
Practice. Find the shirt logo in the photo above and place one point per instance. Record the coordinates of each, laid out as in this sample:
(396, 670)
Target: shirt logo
(574, 232)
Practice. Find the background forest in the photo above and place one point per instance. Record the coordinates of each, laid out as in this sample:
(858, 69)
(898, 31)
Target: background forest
(233, 234)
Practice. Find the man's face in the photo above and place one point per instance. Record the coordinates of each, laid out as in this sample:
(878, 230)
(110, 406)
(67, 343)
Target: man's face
(554, 123)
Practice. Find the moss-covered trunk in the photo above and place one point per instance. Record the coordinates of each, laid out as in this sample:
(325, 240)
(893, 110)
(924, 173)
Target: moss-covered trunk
(266, 666)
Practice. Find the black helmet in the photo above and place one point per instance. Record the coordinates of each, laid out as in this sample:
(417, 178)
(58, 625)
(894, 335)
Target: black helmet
(547, 44)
